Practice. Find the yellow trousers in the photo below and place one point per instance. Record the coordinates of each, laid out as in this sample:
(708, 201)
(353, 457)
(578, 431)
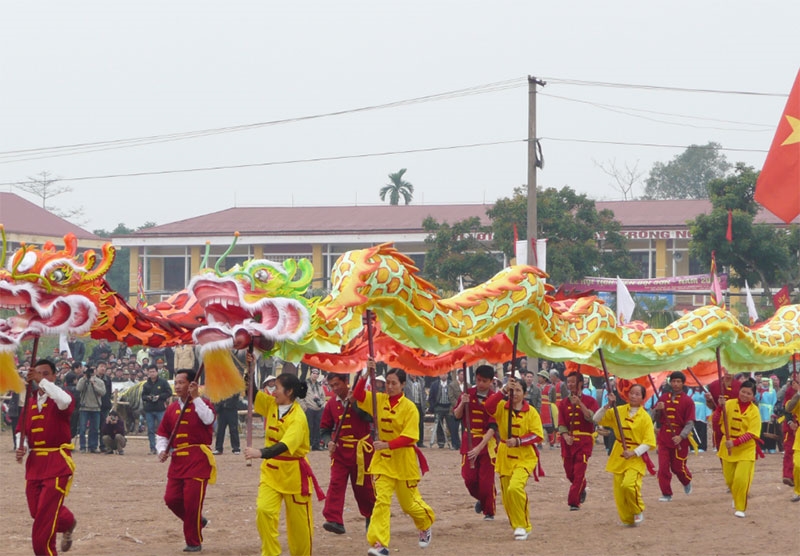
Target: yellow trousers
(738, 477)
(628, 495)
(410, 501)
(299, 521)
(515, 498)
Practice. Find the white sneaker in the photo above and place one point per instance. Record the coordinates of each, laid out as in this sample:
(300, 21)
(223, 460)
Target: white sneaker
(688, 488)
(425, 538)
(738, 514)
(638, 518)
(665, 498)
(378, 550)
(520, 534)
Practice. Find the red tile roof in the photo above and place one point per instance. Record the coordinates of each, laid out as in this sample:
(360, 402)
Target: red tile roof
(20, 216)
(669, 213)
(317, 220)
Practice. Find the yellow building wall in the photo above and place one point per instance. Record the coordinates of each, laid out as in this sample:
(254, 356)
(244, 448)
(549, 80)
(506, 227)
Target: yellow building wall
(317, 261)
(156, 272)
(661, 258)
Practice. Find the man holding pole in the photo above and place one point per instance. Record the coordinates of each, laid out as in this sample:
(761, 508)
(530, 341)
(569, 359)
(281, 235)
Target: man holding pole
(44, 425)
(345, 430)
(720, 391)
(576, 428)
(185, 434)
(675, 421)
(478, 445)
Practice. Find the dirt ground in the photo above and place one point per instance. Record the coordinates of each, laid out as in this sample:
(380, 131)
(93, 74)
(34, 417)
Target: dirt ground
(118, 503)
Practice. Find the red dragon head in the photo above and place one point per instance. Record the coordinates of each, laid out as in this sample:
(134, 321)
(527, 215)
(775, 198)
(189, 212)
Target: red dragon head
(52, 292)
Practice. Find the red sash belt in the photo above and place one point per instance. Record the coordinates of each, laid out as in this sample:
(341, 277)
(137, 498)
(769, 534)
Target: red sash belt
(305, 473)
(423, 463)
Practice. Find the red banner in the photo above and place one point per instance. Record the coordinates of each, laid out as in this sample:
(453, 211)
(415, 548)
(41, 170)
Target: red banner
(781, 298)
(700, 283)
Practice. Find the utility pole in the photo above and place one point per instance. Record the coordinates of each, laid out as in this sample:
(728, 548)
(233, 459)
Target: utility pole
(534, 162)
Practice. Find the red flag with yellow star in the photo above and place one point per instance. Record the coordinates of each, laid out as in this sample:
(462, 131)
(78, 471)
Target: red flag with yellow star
(778, 186)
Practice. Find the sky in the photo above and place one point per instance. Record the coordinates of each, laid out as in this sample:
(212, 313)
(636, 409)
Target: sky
(131, 83)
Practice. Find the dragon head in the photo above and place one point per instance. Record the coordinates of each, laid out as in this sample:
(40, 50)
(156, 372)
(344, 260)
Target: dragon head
(51, 291)
(259, 299)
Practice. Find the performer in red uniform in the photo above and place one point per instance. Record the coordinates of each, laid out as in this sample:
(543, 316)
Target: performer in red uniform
(49, 468)
(576, 427)
(477, 461)
(675, 421)
(716, 397)
(351, 454)
(192, 466)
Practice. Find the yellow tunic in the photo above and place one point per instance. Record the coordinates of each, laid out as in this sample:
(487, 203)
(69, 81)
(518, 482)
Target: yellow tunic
(740, 423)
(400, 420)
(524, 423)
(292, 430)
(638, 430)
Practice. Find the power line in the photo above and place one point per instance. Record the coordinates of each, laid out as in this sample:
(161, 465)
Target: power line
(388, 153)
(23, 155)
(626, 111)
(580, 82)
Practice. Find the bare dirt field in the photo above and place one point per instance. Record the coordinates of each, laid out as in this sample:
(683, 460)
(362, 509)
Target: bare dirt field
(118, 503)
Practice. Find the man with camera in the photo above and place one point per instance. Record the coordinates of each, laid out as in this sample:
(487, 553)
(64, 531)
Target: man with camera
(155, 393)
(314, 403)
(91, 390)
(113, 433)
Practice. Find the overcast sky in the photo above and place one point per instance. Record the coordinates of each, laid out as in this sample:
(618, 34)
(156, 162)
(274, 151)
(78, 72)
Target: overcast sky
(75, 73)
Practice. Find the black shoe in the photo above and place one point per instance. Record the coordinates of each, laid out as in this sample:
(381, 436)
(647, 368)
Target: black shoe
(153, 452)
(95, 451)
(583, 496)
(366, 528)
(203, 522)
(236, 452)
(574, 508)
(332, 527)
(197, 548)
(478, 507)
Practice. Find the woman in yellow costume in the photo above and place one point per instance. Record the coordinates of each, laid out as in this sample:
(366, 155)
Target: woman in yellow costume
(396, 464)
(793, 407)
(517, 458)
(629, 464)
(738, 447)
(286, 476)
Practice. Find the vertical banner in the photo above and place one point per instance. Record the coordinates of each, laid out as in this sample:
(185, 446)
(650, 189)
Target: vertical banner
(781, 298)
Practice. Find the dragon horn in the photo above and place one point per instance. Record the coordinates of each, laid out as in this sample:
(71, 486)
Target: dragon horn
(204, 262)
(306, 273)
(3, 249)
(226, 253)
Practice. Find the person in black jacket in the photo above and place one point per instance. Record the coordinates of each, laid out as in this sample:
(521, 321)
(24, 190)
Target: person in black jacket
(155, 393)
(105, 402)
(227, 416)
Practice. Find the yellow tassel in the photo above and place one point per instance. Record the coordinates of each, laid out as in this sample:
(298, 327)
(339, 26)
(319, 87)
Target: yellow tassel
(222, 378)
(9, 377)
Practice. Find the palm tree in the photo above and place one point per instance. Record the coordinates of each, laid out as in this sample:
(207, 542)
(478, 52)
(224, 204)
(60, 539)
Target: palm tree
(396, 188)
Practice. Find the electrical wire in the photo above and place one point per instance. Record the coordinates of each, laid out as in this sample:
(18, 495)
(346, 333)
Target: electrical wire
(580, 82)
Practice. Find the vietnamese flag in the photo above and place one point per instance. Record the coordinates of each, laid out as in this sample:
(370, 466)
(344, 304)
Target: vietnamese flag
(778, 186)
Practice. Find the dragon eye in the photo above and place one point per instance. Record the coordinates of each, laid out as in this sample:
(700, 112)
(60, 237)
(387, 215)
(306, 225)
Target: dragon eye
(57, 275)
(262, 275)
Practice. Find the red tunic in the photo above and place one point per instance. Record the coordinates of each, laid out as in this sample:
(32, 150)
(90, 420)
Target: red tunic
(571, 416)
(188, 459)
(353, 429)
(729, 392)
(46, 431)
(677, 412)
(479, 420)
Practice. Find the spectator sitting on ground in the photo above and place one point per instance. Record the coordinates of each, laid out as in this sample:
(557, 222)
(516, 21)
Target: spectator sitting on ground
(114, 434)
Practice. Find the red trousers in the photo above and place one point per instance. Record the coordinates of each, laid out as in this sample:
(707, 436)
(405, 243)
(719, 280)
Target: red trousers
(672, 459)
(50, 515)
(334, 498)
(576, 459)
(480, 481)
(185, 498)
(788, 451)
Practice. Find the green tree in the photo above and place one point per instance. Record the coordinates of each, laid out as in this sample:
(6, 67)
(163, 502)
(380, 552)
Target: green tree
(575, 232)
(396, 188)
(687, 175)
(454, 251)
(759, 253)
(118, 276)
(655, 310)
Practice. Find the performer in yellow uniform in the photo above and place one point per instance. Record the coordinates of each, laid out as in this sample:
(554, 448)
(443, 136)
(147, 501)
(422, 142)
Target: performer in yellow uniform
(629, 465)
(517, 457)
(738, 447)
(286, 475)
(396, 462)
(793, 407)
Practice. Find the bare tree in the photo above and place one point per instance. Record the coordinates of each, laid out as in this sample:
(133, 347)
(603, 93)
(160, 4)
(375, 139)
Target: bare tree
(45, 187)
(625, 178)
